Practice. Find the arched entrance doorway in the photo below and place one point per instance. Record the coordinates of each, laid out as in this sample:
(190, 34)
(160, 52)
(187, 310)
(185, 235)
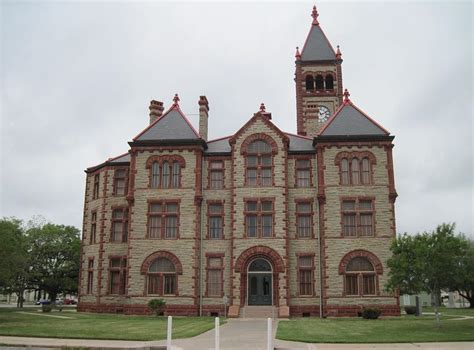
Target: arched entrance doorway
(260, 281)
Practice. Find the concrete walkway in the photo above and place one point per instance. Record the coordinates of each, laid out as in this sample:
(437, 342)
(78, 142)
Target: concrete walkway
(248, 334)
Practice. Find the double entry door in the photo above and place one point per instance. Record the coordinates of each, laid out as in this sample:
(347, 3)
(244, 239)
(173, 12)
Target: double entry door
(260, 289)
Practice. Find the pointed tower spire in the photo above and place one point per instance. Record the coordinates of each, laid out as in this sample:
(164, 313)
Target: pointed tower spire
(338, 53)
(298, 55)
(315, 15)
(176, 100)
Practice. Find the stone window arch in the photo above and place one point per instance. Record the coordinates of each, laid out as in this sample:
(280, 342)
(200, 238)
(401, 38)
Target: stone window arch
(161, 270)
(360, 270)
(259, 150)
(165, 171)
(355, 168)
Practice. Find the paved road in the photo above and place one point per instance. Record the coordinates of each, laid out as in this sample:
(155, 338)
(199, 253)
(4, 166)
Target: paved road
(248, 334)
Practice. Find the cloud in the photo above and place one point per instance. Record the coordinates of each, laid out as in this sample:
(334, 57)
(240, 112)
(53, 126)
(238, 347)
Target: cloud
(77, 79)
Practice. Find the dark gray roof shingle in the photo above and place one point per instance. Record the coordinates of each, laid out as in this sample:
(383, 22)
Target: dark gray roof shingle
(173, 125)
(125, 158)
(299, 143)
(219, 146)
(351, 121)
(317, 46)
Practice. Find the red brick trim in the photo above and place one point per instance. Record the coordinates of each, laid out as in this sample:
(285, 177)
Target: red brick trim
(259, 136)
(312, 269)
(210, 160)
(259, 251)
(309, 201)
(374, 260)
(161, 254)
(115, 179)
(170, 158)
(209, 202)
(219, 268)
(163, 215)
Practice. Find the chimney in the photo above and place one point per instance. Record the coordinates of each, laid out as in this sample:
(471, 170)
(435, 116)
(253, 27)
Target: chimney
(156, 110)
(203, 117)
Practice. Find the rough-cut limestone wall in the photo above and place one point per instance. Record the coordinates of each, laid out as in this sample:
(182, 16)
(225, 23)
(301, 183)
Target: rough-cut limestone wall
(278, 243)
(217, 246)
(184, 247)
(336, 246)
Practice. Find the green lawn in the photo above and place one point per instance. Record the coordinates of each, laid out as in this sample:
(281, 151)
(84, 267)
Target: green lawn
(97, 326)
(385, 330)
(454, 311)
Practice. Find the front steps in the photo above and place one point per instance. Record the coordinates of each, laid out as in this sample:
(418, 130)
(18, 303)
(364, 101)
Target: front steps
(251, 311)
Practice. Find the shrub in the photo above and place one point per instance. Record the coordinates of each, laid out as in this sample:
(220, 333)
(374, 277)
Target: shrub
(46, 307)
(371, 313)
(410, 310)
(157, 306)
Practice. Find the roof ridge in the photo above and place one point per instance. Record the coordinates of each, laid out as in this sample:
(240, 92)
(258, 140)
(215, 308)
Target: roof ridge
(220, 138)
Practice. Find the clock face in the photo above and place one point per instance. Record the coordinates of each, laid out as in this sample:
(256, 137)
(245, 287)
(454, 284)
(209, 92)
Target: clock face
(324, 114)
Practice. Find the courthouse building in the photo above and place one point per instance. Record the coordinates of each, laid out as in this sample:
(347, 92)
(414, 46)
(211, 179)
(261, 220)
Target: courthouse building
(279, 224)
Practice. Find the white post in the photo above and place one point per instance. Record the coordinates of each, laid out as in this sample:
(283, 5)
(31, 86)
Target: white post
(216, 340)
(168, 337)
(269, 334)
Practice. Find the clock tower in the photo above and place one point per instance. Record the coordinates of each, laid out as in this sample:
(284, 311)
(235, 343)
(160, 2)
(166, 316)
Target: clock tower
(318, 78)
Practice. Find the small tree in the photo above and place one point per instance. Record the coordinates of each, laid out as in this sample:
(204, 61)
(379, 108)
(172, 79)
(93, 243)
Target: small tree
(157, 306)
(426, 262)
(464, 275)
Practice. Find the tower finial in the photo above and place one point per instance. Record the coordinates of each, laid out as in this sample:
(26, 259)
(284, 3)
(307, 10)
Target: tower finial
(298, 55)
(338, 53)
(262, 107)
(176, 100)
(346, 96)
(315, 15)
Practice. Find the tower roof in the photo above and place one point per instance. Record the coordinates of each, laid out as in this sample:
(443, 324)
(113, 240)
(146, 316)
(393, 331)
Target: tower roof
(349, 120)
(173, 125)
(317, 46)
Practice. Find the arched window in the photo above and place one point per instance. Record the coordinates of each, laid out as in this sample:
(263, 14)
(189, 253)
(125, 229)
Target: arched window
(309, 83)
(319, 82)
(165, 181)
(259, 162)
(360, 277)
(155, 175)
(365, 171)
(345, 171)
(162, 278)
(355, 171)
(176, 175)
(329, 82)
(355, 168)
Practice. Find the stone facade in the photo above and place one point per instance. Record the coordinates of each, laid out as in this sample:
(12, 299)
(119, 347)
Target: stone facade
(121, 243)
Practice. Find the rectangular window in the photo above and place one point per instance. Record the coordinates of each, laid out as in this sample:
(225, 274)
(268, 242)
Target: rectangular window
(90, 276)
(357, 218)
(95, 192)
(119, 225)
(352, 285)
(169, 282)
(259, 218)
(92, 238)
(163, 220)
(305, 274)
(369, 284)
(216, 219)
(216, 175)
(117, 275)
(120, 182)
(214, 277)
(304, 220)
(303, 170)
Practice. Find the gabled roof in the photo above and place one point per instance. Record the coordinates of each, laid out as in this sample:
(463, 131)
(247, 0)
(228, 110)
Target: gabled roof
(123, 159)
(348, 120)
(173, 125)
(266, 121)
(317, 46)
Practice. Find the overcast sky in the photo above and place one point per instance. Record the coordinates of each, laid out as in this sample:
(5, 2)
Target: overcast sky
(77, 79)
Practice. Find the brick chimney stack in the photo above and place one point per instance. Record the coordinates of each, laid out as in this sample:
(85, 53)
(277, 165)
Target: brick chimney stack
(156, 110)
(203, 117)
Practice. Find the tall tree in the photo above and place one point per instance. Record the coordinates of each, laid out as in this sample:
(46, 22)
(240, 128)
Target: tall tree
(464, 275)
(55, 254)
(14, 258)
